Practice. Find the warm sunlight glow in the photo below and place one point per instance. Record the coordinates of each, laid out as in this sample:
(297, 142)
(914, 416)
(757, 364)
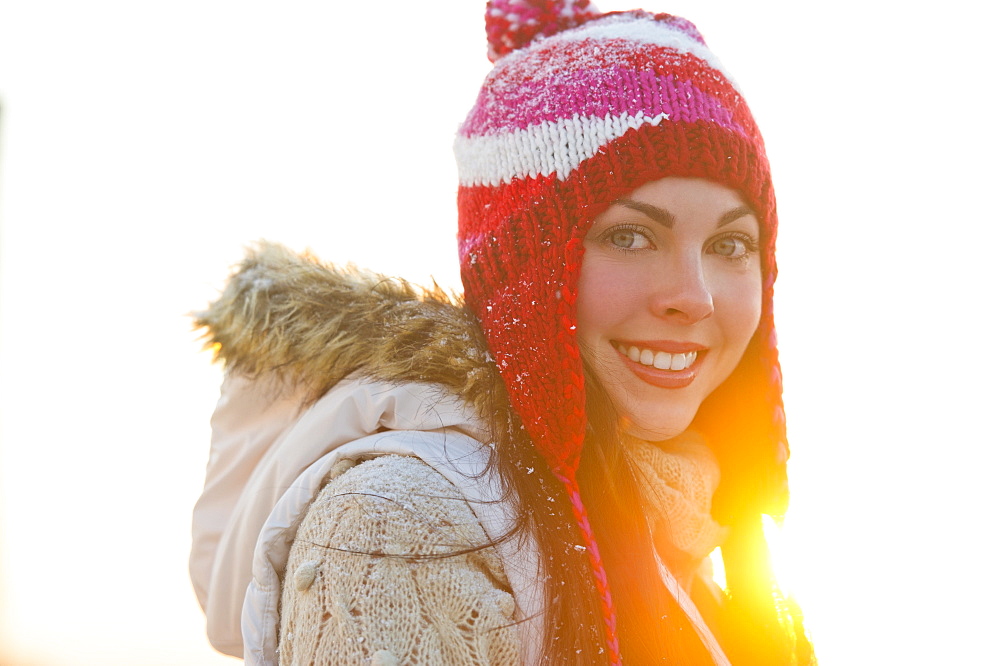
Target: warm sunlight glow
(782, 565)
(718, 568)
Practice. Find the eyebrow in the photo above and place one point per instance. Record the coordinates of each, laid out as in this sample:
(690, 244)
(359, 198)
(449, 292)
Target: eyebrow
(667, 219)
(734, 215)
(655, 213)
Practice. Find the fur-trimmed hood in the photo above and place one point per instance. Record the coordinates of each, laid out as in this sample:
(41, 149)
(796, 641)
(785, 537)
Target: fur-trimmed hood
(315, 324)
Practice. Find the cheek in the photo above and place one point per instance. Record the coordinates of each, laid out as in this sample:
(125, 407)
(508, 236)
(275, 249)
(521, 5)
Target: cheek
(609, 296)
(739, 305)
(597, 299)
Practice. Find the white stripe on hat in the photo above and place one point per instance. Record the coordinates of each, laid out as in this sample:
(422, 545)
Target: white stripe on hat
(527, 153)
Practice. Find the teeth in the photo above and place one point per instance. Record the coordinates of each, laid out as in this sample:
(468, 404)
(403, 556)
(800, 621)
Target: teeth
(659, 360)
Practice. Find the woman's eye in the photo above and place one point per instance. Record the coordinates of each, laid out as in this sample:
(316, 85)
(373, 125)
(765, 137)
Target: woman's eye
(733, 247)
(729, 247)
(628, 239)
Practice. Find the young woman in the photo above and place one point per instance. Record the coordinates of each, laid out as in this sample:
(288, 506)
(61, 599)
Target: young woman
(538, 474)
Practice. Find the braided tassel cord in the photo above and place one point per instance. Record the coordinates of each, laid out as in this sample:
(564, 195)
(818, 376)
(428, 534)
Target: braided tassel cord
(597, 566)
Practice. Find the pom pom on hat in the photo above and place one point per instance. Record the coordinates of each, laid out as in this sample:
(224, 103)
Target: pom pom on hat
(511, 24)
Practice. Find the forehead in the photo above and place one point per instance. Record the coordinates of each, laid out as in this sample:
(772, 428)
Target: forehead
(667, 199)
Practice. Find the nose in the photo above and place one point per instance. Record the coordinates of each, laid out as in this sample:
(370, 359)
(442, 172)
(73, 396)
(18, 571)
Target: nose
(682, 293)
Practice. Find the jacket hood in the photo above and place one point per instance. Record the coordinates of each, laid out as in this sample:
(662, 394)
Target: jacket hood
(313, 324)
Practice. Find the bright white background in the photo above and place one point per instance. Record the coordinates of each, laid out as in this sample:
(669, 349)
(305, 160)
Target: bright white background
(143, 144)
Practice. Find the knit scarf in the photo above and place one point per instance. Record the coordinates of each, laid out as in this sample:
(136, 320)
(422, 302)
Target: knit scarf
(678, 479)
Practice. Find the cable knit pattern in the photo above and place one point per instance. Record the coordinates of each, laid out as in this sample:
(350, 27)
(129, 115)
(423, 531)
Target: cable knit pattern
(680, 477)
(354, 593)
(363, 585)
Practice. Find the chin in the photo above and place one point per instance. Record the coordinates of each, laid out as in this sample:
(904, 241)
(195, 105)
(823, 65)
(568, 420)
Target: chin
(656, 430)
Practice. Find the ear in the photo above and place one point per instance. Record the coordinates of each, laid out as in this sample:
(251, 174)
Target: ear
(511, 24)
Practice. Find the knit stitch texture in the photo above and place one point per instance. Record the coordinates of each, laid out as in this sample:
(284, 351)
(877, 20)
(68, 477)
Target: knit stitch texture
(389, 587)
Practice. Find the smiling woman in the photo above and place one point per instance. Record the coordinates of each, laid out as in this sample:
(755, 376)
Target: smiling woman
(538, 473)
(145, 144)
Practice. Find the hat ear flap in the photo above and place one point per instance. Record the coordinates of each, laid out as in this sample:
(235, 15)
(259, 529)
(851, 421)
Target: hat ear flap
(511, 24)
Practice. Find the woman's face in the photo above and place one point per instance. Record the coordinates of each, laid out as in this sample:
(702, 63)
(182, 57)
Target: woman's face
(669, 297)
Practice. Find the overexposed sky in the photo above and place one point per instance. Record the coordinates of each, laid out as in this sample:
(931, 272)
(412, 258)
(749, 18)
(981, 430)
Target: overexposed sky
(144, 144)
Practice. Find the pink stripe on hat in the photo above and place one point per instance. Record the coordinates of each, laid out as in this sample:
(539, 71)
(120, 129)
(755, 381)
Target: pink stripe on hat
(587, 93)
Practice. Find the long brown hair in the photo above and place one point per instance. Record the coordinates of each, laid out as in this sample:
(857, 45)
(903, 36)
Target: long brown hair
(754, 624)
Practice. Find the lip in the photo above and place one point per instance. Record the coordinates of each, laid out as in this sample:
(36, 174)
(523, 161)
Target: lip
(667, 379)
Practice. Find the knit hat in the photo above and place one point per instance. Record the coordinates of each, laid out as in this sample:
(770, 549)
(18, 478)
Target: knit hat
(580, 109)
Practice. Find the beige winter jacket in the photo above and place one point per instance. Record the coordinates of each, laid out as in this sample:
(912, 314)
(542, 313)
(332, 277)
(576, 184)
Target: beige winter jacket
(327, 368)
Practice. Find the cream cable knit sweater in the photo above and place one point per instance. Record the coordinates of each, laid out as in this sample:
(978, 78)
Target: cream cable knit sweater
(351, 596)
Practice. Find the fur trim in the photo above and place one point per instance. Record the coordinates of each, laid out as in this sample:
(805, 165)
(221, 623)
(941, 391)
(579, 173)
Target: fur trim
(314, 324)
